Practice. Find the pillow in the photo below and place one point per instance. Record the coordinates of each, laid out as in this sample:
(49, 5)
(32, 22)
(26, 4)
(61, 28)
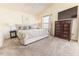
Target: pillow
(26, 27)
(34, 26)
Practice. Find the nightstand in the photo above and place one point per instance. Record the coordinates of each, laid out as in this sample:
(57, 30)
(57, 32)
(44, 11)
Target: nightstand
(13, 34)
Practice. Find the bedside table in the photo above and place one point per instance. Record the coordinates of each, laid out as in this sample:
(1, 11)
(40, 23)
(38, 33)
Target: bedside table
(13, 34)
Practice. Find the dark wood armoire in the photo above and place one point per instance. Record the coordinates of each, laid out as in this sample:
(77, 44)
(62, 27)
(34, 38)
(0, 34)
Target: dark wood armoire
(63, 29)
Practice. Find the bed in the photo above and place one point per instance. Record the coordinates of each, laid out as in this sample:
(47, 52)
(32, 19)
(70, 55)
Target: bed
(31, 35)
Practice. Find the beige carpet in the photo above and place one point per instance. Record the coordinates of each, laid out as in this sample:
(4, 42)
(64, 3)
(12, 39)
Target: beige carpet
(46, 47)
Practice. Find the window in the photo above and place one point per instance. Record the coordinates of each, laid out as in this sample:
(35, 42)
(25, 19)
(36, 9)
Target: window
(45, 22)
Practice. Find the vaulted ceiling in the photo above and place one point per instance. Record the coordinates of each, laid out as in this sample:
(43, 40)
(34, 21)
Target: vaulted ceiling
(32, 8)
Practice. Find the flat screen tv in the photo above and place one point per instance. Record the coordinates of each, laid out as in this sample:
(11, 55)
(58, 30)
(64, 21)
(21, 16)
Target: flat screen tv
(68, 13)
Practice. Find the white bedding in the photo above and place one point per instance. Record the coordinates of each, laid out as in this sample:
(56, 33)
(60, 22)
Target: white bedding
(31, 35)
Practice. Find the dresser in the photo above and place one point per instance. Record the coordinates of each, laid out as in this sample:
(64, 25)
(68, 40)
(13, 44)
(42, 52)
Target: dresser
(63, 29)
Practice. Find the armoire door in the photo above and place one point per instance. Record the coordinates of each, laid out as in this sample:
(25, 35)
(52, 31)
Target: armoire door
(66, 29)
(57, 29)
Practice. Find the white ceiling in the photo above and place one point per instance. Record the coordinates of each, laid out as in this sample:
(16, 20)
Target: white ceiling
(31, 8)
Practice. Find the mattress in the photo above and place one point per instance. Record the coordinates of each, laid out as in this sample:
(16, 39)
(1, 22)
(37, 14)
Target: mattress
(36, 32)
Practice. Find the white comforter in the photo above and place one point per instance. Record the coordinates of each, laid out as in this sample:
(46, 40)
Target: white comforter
(29, 36)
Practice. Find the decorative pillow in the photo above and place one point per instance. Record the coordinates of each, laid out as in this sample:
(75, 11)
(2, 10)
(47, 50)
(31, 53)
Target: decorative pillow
(21, 27)
(34, 26)
(26, 27)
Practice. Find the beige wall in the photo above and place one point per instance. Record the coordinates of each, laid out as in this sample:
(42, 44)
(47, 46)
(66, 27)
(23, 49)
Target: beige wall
(14, 17)
(54, 9)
